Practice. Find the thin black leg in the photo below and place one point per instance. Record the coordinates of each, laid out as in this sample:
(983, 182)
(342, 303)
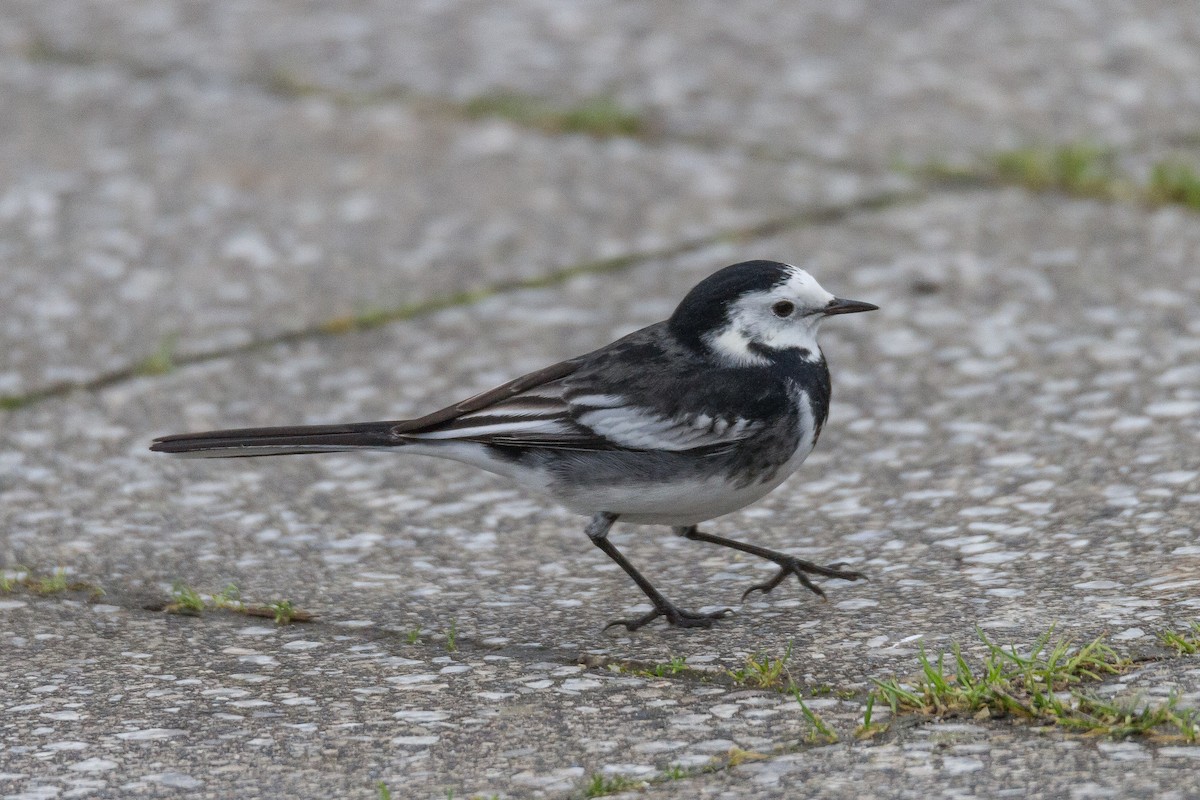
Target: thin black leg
(788, 565)
(597, 530)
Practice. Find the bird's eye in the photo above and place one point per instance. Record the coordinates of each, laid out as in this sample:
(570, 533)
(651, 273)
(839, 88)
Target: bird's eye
(783, 308)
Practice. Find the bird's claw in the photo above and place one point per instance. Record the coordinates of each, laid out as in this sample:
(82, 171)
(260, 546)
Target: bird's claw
(676, 617)
(789, 565)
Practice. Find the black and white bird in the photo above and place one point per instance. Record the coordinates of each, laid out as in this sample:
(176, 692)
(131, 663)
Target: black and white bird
(674, 424)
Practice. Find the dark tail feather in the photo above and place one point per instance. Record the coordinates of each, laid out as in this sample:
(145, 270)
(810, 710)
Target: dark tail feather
(278, 441)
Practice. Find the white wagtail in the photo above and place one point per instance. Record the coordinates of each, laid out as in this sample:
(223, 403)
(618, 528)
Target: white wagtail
(674, 424)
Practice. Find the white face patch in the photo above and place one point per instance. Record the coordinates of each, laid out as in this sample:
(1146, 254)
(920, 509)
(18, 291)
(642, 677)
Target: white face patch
(752, 321)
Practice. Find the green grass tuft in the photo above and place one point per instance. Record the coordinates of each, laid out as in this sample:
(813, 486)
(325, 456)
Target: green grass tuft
(762, 671)
(285, 612)
(1174, 182)
(1184, 644)
(821, 733)
(185, 600)
(161, 361)
(1040, 686)
(600, 116)
(599, 786)
(1082, 169)
(676, 665)
(229, 598)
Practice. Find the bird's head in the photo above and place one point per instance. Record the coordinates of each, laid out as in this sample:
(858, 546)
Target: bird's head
(748, 314)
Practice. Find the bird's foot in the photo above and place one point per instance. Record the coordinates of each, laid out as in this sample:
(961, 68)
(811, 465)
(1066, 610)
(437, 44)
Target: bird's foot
(790, 565)
(676, 617)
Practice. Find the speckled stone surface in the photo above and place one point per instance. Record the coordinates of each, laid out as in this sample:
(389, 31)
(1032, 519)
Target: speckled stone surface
(859, 81)
(102, 700)
(961, 760)
(141, 213)
(1012, 446)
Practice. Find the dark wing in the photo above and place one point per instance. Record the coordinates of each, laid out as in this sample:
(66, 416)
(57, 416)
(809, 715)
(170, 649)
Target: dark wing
(565, 415)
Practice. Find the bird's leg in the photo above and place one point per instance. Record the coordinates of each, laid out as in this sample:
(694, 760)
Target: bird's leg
(788, 565)
(597, 530)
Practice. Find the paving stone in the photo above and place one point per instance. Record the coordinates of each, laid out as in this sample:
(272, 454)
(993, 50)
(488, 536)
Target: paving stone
(859, 81)
(101, 701)
(1011, 447)
(147, 213)
(960, 760)
(1012, 444)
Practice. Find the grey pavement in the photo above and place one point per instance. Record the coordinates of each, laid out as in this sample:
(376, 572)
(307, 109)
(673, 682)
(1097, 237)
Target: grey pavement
(1012, 446)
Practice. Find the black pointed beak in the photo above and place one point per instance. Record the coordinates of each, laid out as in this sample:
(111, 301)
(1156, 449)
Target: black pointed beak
(840, 306)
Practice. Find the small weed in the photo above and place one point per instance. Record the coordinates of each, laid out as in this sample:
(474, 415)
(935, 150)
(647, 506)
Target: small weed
(452, 636)
(1039, 687)
(600, 117)
(676, 665)
(412, 636)
(869, 728)
(1174, 182)
(161, 361)
(1082, 169)
(382, 792)
(1185, 644)
(673, 773)
(821, 729)
(49, 584)
(1164, 722)
(599, 786)
(285, 612)
(11, 402)
(229, 598)
(54, 583)
(184, 600)
(762, 671)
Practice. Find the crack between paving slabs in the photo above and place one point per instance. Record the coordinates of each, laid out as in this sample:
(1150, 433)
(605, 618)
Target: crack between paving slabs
(150, 367)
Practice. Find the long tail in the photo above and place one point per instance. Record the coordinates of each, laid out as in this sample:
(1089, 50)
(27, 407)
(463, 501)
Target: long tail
(279, 441)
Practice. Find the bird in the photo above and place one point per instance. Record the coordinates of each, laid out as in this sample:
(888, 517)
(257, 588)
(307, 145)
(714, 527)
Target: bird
(674, 424)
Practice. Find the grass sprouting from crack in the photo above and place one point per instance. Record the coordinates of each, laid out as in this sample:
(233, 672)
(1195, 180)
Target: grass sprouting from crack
(1079, 169)
(821, 733)
(161, 361)
(375, 318)
(600, 785)
(1163, 722)
(1174, 182)
(1040, 686)
(285, 612)
(1007, 683)
(53, 583)
(764, 672)
(452, 636)
(601, 117)
(187, 601)
(869, 727)
(1082, 169)
(1186, 643)
(229, 598)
